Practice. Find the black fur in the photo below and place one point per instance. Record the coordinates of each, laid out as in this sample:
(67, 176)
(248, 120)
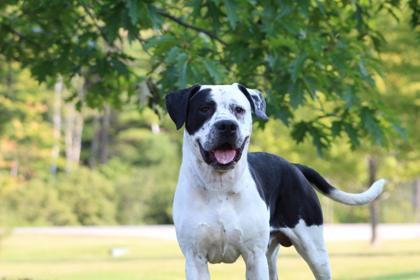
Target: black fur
(186, 106)
(177, 104)
(248, 96)
(285, 190)
(257, 103)
(196, 117)
(316, 179)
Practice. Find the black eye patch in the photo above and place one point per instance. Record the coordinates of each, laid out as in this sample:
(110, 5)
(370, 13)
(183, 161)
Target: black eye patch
(201, 108)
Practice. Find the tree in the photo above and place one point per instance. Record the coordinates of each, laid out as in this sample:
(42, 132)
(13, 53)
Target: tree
(296, 51)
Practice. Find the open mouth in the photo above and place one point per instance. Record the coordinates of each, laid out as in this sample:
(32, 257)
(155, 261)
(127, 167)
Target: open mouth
(224, 156)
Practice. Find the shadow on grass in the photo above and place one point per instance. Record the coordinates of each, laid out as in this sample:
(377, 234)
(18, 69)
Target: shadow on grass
(409, 275)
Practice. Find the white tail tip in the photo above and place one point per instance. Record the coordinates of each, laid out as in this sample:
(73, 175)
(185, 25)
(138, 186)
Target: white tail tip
(359, 198)
(378, 186)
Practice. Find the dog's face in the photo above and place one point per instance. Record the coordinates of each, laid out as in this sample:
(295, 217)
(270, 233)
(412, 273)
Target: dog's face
(218, 120)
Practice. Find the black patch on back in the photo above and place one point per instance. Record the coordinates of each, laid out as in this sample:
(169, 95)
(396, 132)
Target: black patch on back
(285, 190)
(196, 117)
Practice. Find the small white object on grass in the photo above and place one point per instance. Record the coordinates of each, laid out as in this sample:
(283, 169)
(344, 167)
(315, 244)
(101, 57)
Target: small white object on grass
(118, 252)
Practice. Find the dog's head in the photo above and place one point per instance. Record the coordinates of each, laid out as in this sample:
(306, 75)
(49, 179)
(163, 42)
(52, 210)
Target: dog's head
(218, 120)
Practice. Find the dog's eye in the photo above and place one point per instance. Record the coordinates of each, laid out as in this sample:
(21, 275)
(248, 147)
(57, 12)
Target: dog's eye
(239, 110)
(204, 109)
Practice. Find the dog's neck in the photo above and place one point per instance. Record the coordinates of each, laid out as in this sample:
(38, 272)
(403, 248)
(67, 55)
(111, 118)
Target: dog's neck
(204, 176)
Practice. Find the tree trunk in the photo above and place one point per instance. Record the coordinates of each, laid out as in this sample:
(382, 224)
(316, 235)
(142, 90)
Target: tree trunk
(74, 127)
(93, 158)
(73, 136)
(417, 199)
(14, 168)
(104, 135)
(374, 206)
(9, 82)
(55, 152)
(100, 141)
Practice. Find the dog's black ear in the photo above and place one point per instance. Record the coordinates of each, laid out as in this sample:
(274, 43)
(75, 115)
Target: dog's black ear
(177, 104)
(257, 101)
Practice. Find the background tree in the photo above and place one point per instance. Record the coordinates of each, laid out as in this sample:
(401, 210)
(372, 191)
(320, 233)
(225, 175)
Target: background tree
(318, 64)
(293, 50)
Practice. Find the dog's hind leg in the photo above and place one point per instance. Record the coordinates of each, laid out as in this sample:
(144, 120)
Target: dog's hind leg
(277, 238)
(196, 268)
(309, 242)
(272, 254)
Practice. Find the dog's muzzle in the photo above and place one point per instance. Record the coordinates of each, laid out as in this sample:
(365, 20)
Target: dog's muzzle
(224, 156)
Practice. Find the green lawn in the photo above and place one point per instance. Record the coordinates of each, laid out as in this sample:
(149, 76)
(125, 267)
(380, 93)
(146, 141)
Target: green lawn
(83, 257)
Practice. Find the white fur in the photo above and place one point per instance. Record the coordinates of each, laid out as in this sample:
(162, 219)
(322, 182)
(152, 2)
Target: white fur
(218, 217)
(309, 242)
(358, 198)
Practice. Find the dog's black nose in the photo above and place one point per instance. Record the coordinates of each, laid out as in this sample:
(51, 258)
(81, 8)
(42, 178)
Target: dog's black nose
(228, 127)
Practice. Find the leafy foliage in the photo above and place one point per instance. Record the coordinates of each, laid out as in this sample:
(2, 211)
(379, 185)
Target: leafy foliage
(297, 51)
(317, 62)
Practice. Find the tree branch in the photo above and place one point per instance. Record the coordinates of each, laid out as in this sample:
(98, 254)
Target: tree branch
(110, 45)
(196, 28)
(20, 36)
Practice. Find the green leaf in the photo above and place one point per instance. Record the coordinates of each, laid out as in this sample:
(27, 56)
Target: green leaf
(172, 55)
(352, 134)
(161, 43)
(364, 72)
(215, 70)
(196, 6)
(181, 67)
(295, 67)
(281, 40)
(319, 140)
(372, 126)
(296, 94)
(283, 113)
(299, 131)
(231, 12)
(134, 10)
(336, 128)
(310, 85)
(153, 15)
(350, 97)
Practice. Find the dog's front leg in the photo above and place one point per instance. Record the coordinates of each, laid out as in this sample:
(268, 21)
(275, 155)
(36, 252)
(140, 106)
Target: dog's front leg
(196, 268)
(256, 265)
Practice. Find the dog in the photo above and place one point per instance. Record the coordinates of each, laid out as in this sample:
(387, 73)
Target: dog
(230, 203)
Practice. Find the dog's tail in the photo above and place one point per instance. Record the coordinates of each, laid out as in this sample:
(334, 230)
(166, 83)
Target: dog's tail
(347, 198)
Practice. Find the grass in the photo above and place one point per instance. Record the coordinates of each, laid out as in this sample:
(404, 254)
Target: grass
(40, 257)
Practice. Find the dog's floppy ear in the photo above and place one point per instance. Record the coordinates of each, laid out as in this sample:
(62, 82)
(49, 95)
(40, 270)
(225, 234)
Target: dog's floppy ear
(177, 104)
(257, 101)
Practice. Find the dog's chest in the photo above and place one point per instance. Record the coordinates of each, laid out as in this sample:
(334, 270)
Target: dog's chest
(222, 226)
(220, 233)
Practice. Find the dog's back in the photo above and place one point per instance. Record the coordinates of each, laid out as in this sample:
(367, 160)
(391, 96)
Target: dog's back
(285, 190)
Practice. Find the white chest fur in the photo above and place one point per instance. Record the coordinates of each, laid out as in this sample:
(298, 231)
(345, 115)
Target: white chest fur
(219, 226)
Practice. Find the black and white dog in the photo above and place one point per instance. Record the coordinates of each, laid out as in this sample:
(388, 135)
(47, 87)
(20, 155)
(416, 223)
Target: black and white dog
(230, 203)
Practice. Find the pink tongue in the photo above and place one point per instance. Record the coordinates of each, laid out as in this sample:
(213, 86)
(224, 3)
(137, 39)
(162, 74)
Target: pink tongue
(224, 156)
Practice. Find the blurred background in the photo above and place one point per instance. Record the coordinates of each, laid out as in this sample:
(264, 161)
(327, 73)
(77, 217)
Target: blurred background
(85, 139)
